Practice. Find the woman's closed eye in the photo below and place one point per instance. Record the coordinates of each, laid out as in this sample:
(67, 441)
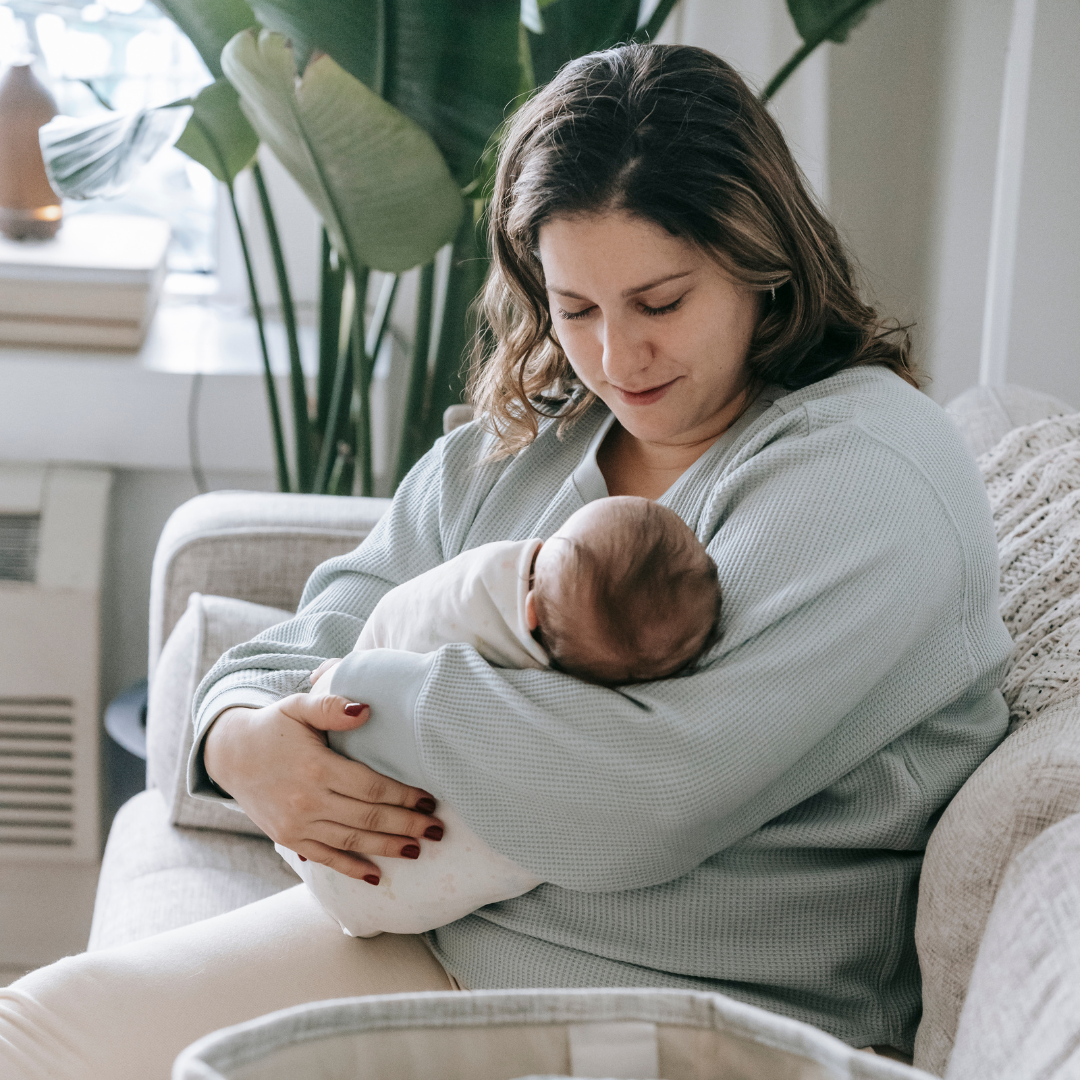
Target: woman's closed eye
(645, 309)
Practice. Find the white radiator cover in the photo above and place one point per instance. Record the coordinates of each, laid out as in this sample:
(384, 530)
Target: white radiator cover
(53, 522)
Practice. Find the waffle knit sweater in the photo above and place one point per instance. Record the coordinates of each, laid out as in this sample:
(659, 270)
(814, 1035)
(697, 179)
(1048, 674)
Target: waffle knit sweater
(754, 828)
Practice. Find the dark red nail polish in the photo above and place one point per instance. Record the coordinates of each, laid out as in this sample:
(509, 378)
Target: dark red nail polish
(371, 879)
(354, 708)
(301, 858)
(426, 805)
(410, 851)
(433, 832)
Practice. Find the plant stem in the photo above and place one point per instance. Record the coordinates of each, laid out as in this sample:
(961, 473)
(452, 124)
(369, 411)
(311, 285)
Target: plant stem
(378, 81)
(362, 385)
(411, 429)
(655, 22)
(809, 46)
(256, 309)
(380, 320)
(468, 268)
(331, 286)
(297, 382)
(101, 99)
(337, 413)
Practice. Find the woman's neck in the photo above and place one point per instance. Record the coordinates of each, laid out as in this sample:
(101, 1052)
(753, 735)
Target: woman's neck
(632, 466)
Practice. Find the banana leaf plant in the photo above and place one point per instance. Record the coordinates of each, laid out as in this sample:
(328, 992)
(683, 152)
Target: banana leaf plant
(384, 112)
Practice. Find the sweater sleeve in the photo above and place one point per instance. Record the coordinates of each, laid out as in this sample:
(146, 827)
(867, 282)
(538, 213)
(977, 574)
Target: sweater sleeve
(839, 563)
(336, 602)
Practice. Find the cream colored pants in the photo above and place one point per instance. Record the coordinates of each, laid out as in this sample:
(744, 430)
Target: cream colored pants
(125, 1013)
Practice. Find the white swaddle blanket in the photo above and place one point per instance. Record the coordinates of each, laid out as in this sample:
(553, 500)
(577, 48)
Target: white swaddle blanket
(478, 599)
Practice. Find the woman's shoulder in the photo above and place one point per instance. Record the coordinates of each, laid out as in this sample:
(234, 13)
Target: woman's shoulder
(483, 497)
(871, 451)
(871, 412)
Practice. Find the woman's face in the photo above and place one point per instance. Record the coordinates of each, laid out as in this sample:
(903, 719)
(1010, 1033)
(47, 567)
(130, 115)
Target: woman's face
(652, 326)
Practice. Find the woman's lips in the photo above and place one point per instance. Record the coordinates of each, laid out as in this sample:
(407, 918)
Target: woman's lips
(644, 397)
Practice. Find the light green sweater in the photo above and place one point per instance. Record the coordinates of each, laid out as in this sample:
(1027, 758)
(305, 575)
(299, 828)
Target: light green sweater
(754, 828)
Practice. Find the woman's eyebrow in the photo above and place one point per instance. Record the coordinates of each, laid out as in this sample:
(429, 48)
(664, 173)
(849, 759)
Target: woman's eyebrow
(626, 292)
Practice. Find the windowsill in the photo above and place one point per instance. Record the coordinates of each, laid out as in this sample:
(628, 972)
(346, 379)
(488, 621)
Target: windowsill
(130, 409)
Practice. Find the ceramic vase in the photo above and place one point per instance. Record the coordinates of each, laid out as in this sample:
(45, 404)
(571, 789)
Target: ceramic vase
(29, 208)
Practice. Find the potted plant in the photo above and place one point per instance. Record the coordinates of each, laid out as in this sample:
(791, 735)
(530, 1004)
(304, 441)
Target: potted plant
(386, 113)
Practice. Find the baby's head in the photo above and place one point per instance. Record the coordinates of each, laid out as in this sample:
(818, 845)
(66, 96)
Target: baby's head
(623, 592)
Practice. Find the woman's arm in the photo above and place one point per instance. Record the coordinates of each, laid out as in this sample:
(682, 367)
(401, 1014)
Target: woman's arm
(847, 598)
(265, 745)
(336, 602)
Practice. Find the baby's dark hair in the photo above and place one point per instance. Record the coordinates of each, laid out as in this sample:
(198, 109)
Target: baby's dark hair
(634, 599)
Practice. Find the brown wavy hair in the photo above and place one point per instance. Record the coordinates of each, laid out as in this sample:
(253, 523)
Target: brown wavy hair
(670, 134)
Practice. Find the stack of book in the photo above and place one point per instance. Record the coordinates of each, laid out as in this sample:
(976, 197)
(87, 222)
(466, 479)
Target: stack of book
(94, 286)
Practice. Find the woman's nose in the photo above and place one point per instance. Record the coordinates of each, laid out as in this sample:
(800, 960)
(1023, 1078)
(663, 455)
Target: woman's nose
(626, 353)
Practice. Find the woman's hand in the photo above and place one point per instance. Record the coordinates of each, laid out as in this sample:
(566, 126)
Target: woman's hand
(275, 763)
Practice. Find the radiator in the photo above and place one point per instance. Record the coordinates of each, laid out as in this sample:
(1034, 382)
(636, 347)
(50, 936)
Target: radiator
(52, 541)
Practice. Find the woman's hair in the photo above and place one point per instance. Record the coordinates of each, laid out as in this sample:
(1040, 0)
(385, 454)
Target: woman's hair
(672, 135)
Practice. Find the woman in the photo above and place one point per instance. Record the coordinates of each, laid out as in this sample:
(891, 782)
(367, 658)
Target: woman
(672, 317)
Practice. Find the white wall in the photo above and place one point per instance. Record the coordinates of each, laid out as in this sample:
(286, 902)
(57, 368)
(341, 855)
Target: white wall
(142, 500)
(1044, 342)
(756, 37)
(884, 89)
(898, 128)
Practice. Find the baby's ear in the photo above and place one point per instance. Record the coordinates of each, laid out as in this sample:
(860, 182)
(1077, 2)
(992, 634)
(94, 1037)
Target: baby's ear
(530, 611)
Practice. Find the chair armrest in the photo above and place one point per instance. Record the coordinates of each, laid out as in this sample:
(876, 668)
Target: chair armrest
(986, 414)
(251, 545)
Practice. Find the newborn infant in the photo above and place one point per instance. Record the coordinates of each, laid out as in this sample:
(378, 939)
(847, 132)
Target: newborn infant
(622, 593)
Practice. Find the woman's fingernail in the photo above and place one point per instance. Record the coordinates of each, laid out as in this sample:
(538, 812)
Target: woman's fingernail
(354, 708)
(410, 851)
(301, 858)
(426, 806)
(371, 879)
(433, 832)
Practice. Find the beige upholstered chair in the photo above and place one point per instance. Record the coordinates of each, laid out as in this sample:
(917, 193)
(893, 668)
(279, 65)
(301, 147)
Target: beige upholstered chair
(231, 564)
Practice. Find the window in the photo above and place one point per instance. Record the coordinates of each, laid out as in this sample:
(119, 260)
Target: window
(124, 54)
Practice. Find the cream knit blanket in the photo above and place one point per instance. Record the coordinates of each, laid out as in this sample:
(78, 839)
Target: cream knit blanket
(1033, 479)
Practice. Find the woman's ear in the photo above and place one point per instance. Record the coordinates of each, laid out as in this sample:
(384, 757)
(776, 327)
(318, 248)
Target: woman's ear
(530, 611)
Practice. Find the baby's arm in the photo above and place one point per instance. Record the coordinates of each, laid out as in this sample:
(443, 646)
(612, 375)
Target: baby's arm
(452, 878)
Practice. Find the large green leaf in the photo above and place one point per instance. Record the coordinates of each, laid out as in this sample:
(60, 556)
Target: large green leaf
(451, 66)
(573, 28)
(377, 179)
(98, 156)
(817, 21)
(209, 24)
(218, 134)
(827, 20)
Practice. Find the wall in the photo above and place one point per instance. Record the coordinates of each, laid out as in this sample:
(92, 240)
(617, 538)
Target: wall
(884, 90)
(897, 128)
(142, 500)
(1045, 329)
(756, 37)
(915, 99)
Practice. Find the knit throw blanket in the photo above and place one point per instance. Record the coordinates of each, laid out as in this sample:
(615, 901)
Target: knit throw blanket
(1033, 479)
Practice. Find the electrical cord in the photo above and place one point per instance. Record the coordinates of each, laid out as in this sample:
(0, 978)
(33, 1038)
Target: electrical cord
(194, 457)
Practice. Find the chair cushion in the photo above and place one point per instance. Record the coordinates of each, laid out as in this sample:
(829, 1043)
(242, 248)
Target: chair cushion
(1030, 782)
(209, 626)
(1033, 480)
(156, 877)
(985, 414)
(1022, 1014)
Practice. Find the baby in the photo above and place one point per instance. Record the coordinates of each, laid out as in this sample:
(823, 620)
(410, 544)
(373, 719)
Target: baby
(622, 593)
